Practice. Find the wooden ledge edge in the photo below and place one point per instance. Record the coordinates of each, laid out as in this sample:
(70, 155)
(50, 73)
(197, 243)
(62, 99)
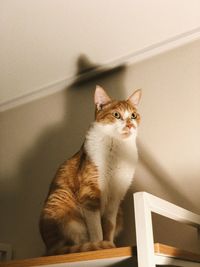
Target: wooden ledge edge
(160, 249)
(74, 257)
(177, 253)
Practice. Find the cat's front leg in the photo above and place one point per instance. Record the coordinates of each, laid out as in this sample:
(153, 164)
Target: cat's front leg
(89, 198)
(93, 222)
(109, 220)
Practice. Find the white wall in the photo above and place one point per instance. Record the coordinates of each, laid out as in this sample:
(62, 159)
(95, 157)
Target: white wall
(37, 137)
(42, 40)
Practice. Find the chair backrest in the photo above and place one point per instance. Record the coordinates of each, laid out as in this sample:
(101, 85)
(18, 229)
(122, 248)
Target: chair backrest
(145, 204)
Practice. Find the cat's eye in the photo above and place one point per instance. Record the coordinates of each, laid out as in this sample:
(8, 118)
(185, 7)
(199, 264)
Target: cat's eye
(117, 115)
(134, 116)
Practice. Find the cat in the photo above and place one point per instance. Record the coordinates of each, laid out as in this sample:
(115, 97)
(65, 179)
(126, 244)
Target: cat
(82, 211)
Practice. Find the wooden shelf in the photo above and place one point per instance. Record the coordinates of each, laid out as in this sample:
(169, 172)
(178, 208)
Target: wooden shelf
(74, 257)
(117, 253)
(176, 253)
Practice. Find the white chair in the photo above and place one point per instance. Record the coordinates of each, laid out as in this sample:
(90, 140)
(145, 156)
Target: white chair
(150, 255)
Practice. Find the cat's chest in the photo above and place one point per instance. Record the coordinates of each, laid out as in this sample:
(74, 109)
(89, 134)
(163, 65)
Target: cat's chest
(115, 160)
(116, 163)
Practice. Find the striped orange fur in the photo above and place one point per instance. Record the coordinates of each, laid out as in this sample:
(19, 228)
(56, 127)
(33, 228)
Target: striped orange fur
(82, 212)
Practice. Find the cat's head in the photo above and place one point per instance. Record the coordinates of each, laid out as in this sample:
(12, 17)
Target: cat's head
(119, 119)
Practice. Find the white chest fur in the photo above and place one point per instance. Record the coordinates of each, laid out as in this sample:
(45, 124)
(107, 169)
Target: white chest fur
(115, 159)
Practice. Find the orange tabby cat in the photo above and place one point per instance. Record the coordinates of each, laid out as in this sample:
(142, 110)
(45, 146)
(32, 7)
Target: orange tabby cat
(82, 210)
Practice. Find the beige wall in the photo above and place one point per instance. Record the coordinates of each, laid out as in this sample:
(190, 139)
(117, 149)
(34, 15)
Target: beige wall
(40, 40)
(37, 137)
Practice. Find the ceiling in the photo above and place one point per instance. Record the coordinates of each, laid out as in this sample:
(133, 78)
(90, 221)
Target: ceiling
(42, 40)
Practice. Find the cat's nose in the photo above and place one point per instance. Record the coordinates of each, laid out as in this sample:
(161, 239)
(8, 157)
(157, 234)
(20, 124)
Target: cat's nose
(130, 125)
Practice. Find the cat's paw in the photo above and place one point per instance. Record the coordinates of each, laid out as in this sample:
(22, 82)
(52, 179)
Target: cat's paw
(106, 244)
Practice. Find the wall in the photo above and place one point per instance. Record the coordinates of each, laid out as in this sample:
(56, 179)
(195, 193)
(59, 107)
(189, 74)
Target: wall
(37, 137)
(169, 135)
(40, 40)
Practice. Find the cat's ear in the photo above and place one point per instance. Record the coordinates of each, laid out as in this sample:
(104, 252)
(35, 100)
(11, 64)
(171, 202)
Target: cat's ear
(135, 98)
(100, 97)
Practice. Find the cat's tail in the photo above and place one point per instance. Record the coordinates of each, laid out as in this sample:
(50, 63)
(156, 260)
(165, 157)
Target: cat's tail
(89, 246)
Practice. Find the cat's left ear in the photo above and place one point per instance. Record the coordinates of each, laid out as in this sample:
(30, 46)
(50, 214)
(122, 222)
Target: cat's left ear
(100, 97)
(135, 98)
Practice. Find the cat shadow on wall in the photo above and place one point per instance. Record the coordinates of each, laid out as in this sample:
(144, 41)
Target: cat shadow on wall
(56, 143)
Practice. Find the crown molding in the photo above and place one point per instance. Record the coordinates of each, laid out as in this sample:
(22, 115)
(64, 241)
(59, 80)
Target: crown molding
(126, 60)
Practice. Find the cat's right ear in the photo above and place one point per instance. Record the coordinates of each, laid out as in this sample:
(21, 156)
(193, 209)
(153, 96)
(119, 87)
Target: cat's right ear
(100, 97)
